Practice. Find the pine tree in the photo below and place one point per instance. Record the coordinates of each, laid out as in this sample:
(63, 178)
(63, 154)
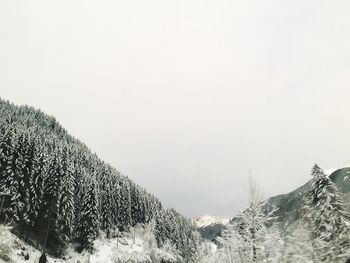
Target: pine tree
(106, 209)
(296, 245)
(172, 227)
(49, 212)
(253, 236)
(137, 212)
(26, 163)
(29, 197)
(6, 151)
(87, 228)
(253, 226)
(328, 220)
(14, 181)
(124, 215)
(66, 202)
(116, 201)
(37, 183)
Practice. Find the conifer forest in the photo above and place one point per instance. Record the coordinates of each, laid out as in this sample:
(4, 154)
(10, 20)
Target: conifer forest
(56, 193)
(174, 131)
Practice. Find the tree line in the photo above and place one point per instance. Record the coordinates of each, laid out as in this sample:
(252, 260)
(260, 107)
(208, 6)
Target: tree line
(56, 191)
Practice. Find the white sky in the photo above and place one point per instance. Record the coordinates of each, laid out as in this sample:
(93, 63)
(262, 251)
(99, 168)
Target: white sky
(186, 96)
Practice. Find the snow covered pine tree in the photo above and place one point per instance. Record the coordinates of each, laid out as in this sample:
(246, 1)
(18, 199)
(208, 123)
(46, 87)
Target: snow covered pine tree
(328, 221)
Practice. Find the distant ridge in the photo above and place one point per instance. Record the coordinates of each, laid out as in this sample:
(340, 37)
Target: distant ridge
(288, 205)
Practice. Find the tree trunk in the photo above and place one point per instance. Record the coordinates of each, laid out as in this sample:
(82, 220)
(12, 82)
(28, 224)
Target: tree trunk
(27, 233)
(21, 229)
(2, 206)
(117, 237)
(134, 234)
(48, 227)
(254, 247)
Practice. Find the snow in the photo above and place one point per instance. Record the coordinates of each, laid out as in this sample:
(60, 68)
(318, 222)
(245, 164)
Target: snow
(125, 249)
(144, 249)
(13, 249)
(207, 220)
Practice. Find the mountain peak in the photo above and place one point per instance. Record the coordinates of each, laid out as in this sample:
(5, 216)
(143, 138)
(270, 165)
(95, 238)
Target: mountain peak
(207, 220)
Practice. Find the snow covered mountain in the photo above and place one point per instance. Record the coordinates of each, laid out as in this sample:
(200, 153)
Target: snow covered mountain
(289, 204)
(210, 227)
(207, 220)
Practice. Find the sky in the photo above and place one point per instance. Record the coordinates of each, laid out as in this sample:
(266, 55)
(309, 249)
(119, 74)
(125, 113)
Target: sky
(189, 97)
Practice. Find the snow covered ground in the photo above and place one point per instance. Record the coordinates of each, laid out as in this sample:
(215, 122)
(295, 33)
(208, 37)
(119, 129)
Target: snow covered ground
(124, 249)
(12, 249)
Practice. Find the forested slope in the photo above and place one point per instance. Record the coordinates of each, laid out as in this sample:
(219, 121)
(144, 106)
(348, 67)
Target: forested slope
(56, 191)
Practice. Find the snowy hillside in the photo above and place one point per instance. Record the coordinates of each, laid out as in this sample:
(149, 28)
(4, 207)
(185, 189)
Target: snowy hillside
(124, 249)
(57, 193)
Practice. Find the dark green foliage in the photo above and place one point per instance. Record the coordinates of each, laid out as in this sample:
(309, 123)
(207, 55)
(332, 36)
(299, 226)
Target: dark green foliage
(174, 228)
(87, 226)
(124, 214)
(56, 185)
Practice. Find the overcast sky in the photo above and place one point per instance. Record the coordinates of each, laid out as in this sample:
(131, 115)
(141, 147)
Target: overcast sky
(186, 96)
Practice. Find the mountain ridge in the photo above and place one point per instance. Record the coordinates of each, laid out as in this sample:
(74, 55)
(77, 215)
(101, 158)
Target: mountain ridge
(288, 204)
